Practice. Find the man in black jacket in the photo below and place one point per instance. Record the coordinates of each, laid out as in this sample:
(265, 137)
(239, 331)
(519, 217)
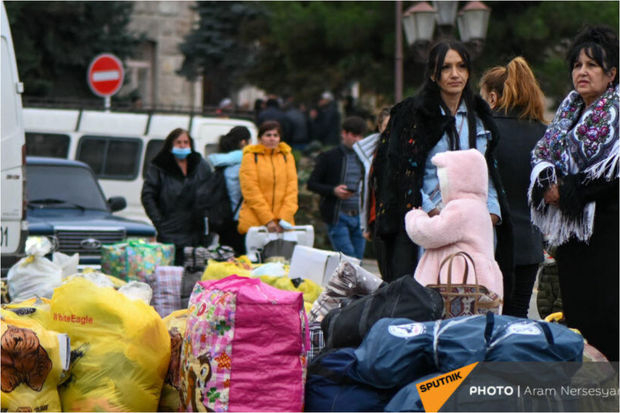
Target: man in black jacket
(325, 124)
(272, 111)
(336, 177)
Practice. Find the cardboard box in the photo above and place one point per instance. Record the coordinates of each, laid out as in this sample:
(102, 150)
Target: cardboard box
(315, 264)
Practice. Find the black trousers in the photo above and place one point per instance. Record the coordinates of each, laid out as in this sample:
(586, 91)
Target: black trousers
(589, 283)
(518, 303)
(232, 238)
(397, 255)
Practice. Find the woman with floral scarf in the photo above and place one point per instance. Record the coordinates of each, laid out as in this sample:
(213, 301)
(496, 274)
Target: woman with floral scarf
(573, 191)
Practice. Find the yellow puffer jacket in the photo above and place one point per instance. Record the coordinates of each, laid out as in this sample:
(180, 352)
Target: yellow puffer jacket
(269, 186)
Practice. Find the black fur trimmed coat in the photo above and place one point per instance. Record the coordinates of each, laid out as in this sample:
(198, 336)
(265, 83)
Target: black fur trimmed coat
(416, 125)
(174, 202)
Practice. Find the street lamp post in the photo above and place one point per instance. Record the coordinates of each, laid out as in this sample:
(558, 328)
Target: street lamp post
(419, 23)
(473, 22)
(398, 54)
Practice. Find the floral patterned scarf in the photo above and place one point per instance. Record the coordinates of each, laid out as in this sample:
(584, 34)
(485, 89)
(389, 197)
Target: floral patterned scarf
(579, 140)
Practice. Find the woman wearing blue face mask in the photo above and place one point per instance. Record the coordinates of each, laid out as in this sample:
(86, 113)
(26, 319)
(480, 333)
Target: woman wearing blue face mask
(175, 182)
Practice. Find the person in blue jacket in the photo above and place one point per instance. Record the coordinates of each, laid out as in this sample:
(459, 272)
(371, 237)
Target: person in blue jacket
(230, 153)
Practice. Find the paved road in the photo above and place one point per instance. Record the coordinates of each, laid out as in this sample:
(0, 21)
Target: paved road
(371, 265)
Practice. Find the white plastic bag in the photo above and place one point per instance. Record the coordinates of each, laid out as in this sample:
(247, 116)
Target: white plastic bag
(137, 290)
(34, 275)
(275, 269)
(67, 263)
(99, 278)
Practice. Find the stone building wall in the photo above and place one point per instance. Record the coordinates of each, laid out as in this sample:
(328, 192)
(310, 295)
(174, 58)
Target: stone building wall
(152, 72)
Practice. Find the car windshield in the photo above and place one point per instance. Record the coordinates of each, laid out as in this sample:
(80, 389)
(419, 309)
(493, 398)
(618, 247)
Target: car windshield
(63, 187)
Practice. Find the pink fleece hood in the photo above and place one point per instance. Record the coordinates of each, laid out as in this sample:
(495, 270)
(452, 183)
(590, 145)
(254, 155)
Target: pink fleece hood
(462, 174)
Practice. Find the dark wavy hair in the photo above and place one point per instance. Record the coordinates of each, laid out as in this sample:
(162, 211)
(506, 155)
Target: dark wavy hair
(231, 141)
(167, 147)
(600, 43)
(269, 125)
(436, 58)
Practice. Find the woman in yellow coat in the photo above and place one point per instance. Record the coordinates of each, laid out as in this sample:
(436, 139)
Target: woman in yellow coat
(268, 180)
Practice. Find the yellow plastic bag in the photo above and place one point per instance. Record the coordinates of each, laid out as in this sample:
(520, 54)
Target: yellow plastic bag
(308, 288)
(311, 290)
(36, 308)
(121, 348)
(217, 270)
(34, 362)
(170, 400)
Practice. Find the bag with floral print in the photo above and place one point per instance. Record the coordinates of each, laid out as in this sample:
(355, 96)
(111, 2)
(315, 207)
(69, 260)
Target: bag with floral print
(244, 348)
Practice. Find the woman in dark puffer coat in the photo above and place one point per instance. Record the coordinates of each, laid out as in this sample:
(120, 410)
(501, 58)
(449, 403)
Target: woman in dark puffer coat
(174, 193)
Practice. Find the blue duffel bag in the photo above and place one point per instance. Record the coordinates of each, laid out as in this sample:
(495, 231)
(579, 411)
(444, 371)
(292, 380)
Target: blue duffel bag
(408, 398)
(525, 340)
(461, 341)
(396, 351)
(330, 386)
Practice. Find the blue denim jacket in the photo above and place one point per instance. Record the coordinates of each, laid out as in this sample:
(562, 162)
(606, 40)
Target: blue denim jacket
(431, 195)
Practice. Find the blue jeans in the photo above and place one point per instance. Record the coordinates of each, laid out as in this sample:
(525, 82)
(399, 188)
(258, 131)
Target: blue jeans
(346, 236)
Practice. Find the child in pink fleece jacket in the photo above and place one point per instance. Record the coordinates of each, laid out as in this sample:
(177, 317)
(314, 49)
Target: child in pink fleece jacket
(464, 223)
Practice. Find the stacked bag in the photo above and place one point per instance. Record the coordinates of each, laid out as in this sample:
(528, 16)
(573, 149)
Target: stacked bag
(36, 276)
(119, 355)
(170, 400)
(135, 260)
(263, 327)
(398, 353)
(35, 360)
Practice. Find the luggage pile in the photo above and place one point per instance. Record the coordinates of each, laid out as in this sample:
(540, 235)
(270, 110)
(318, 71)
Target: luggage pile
(95, 341)
(222, 333)
(382, 372)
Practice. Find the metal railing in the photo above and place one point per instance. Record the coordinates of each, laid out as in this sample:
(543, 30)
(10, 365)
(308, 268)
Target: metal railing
(127, 106)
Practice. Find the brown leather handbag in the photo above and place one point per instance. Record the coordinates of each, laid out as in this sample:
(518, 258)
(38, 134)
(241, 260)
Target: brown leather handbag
(465, 299)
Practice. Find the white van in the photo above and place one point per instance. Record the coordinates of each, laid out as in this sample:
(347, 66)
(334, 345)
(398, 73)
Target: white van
(13, 226)
(118, 146)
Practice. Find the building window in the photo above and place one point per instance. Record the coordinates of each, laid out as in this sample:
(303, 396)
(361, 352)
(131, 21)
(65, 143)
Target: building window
(141, 71)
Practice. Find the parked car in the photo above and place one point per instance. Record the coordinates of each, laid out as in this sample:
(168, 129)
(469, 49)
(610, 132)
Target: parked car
(66, 204)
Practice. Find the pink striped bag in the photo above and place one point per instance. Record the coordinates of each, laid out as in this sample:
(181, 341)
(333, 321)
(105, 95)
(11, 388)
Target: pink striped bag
(244, 349)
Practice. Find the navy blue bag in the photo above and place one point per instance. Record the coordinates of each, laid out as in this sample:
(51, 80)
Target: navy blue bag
(525, 340)
(396, 351)
(331, 388)
(463, 340)
(408, 399)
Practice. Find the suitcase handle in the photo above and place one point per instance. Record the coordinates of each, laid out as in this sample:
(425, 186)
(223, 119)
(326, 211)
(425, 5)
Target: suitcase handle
(263, 228)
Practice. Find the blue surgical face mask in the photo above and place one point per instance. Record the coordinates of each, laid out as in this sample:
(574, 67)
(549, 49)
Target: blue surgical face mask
(181, 153)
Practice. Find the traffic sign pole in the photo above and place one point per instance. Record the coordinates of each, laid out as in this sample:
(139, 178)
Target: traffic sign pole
(105, 77)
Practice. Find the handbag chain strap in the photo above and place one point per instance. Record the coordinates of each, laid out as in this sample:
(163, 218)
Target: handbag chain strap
(449, 259)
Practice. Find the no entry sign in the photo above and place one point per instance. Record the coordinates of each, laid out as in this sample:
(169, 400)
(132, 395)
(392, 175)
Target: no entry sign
(105, 75)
